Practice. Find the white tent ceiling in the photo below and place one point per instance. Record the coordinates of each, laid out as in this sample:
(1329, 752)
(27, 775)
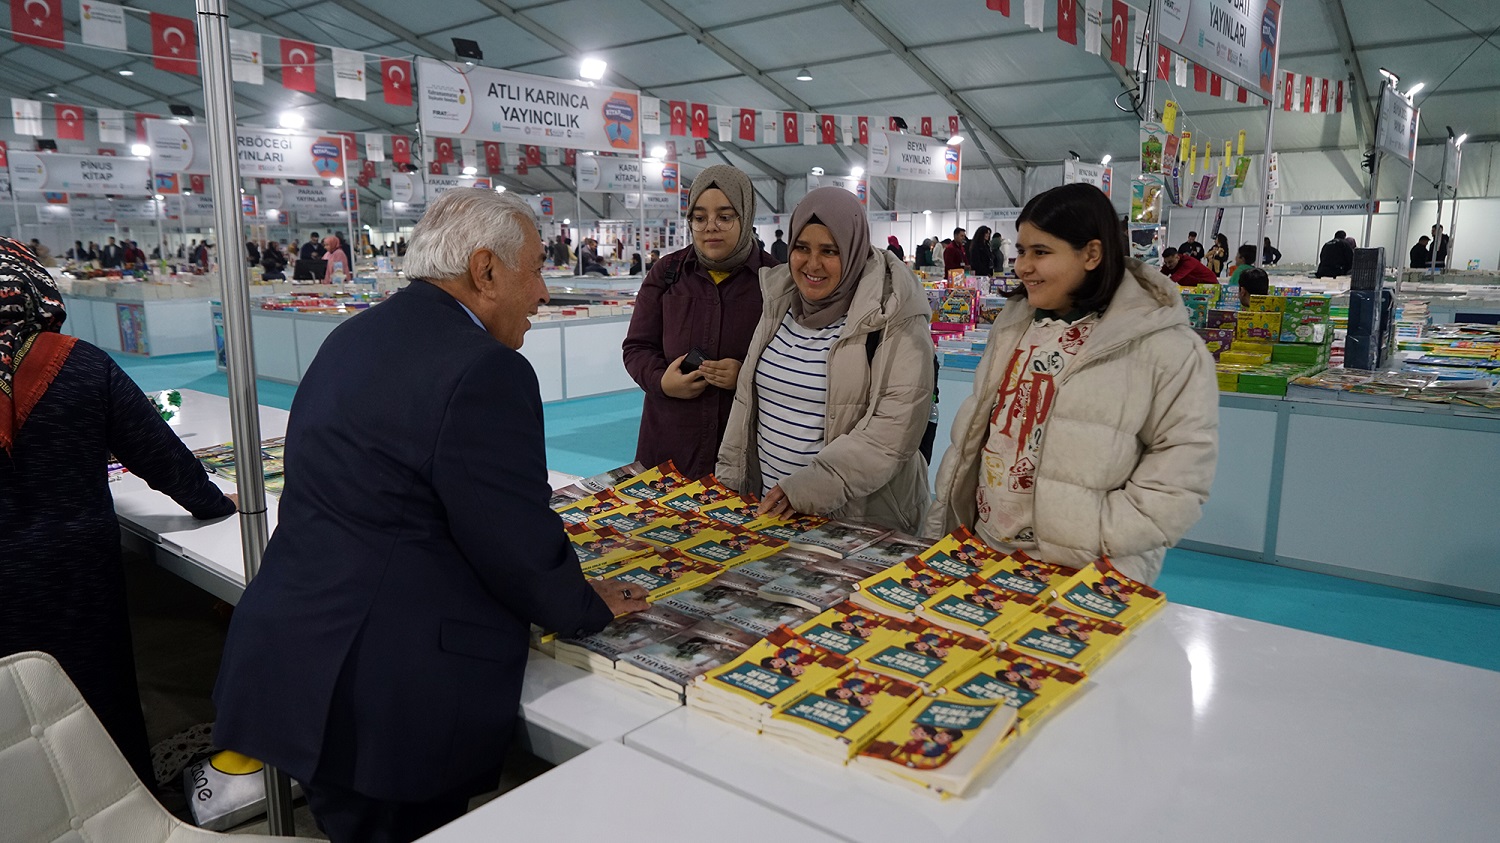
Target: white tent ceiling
(1026, 97)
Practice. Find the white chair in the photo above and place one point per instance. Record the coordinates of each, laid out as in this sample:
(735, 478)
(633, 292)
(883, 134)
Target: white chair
(61, 776)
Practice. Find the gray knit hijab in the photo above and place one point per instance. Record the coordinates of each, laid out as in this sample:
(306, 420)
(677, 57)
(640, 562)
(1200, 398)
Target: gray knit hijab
(839, 211)
(736, 186)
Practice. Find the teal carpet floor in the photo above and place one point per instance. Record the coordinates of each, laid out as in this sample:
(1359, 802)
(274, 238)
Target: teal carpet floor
(590, 435)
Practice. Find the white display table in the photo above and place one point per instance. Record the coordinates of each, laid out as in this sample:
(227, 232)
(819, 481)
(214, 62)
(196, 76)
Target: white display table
(130, 322)
(612, 793)
(1203, 727)
(564, 710)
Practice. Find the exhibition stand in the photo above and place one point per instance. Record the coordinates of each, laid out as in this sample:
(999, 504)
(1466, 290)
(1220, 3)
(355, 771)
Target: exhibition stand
(141, 318)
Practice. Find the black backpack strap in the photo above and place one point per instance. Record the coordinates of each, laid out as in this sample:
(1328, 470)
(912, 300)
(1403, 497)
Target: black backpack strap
(872, 342)
(673, 270)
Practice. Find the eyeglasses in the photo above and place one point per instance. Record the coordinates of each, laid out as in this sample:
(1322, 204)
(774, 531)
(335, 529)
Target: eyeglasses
(721, 222)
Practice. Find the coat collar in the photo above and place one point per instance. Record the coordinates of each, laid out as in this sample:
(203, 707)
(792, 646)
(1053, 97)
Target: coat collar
(1146, 302)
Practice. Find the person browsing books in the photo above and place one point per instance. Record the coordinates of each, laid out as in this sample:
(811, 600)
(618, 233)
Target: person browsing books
(1186, 269)
(836, 390)
(1093, 427)
(378, 656)
(692, 324)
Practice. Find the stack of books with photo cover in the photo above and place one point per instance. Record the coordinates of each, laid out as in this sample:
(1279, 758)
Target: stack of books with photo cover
(693, 497)
(923, 654)
(822, 583)
(1101, 591)
(777, 565)
(661, 572)
(724, 593)
(598, 652)
(603, 546)
(838, 717)
(852, 631)
(764, 679)
(584, 509)
(786, 527)
(1036, 688)
(941, 745)
(891, 549)
(726, 544)
(839, 538)
(593, 485)
(975, 606)
(763, 616)
(652, 484)
(665, 668)
(741, 511)
(1077, 640)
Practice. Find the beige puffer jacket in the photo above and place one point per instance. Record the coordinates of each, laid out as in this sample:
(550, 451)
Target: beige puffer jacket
(1129, 451)
(869, 470)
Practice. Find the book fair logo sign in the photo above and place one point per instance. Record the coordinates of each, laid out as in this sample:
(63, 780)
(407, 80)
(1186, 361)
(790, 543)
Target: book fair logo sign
(326, 153)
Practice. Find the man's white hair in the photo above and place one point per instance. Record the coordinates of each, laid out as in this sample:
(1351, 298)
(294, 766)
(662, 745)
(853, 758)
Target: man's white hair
(462, 221)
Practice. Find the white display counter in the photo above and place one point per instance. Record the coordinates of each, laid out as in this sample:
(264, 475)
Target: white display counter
(134, 324)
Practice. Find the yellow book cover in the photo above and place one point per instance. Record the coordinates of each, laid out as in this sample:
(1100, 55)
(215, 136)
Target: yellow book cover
(942, 744)
(842, 715)
(662, 572)
(631, 517)
(673, 528)
(739, 511)
(787, 528)
(652, 484)
(1020, 573)
(597, 548)
(1058, 635)
(978, 607)
(1101, 591)
(776, 671)
(694, 496)
(927, 655)
(900, 589)
(849, 630)
(960, 554)
(727, 545)
(582, 510)
(1034, 687)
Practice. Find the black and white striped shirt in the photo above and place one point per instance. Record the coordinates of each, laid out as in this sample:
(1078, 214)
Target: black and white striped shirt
(791, 387)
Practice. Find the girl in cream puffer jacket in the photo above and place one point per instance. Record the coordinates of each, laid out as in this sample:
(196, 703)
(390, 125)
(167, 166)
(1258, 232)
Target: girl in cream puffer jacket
(1129, 451)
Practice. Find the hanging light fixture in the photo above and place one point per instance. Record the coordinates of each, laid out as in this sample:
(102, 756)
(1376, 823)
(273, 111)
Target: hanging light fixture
(804, 75)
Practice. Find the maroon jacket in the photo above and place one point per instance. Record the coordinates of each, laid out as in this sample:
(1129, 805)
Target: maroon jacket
(954, 257)
(1190, 272)
(717, 319)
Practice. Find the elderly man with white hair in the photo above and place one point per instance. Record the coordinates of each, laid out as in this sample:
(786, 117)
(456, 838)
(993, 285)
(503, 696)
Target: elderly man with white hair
(378, 656)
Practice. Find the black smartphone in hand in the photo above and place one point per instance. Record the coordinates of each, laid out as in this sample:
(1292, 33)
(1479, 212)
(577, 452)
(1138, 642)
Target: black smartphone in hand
(692, 361)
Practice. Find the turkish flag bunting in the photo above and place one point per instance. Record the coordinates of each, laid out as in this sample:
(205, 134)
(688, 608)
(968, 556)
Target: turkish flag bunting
(927, 127)
(443, 151)
(1067, 20)
(1001, 6)
(789, 133)
(174, 44)
(700, 150)
(435, 168)
(492, 157)
(700, 120)
(1338, 103)
(102, 151)
(522, 169)
(1288, 91)
(1307, 94)
(671, 150)
(1119, 26)
(140, 126)
(678, 117)
(39, 23)
(351, 146)
(570, 157)
(747, 125)
(297, 66)
(1200, 78)
(892, 126)
(1242, 96)
(69, 121)
(400, 149)
(864, 131)
(395, 80)
(952, 125)
(828, 128)
(1215, 85)
(1323, 95)
(367, 170)
(1163, 62)
(533, 156)
(196, 184)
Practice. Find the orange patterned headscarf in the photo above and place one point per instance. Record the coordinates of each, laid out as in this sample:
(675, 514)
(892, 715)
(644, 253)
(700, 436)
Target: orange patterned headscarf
(31, 314)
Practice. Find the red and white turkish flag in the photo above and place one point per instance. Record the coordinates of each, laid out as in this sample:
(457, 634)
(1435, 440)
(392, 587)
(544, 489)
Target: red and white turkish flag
(1338, 103)
(102, 151)
(1163, 62)
(1067, 20)
(1288, 91)
(401, 150)
(827, 128)
(671, 150)
(1323, 95)
(891, 125)
(140, 126)
(367, 170)
(747, 125)
(952, 125)
(678, 117)
(533, 156)
(700, 149)
(174, 44)
(789, 129)
(927, 127)
(197, 184)
(395, 80)
(4, 155)
(492, 157)
(1242, 95)
(570, 158)
(442, 150)
(1215, 85)
(700, 120)
(1001, 6)
(297, 58)
(1200, 78)
(522, 169)
(38, 23)
(1119, 27)
(69, 121)
(863, 124)
(351, 146)
(435, 168)
(1307, 94)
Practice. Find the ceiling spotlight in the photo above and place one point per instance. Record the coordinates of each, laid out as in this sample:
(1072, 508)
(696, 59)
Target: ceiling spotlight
(1459, 141)
(291, 120)
(567, 221)
(1417, 87)
(140, 150)
(817, 171)
(592, 68)
(1075, 156)
(272, 213)
(1104, 162)
(955, 140)
(856, 172)
(658, 152)
(927, 213)
(804, 75)
(1391, 77)
(336, 182)
(470, 171)
(158, 197)
(469, 50)
(52, 94)
(127, 73)
(499, 188)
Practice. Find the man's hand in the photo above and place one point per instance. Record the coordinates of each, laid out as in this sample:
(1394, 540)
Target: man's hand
(676, 384)
(775, 503)
(621, 598)
(721, 373)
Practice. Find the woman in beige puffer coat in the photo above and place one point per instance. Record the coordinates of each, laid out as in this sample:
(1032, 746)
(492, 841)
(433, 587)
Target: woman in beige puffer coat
(1126, 454)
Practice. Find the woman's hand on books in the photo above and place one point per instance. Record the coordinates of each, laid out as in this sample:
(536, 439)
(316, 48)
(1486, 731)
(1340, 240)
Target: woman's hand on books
(776, 504)
(621, 598)
(679, 384)
(721, 373)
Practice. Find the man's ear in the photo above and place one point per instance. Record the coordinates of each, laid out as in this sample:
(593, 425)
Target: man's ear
(482, 269)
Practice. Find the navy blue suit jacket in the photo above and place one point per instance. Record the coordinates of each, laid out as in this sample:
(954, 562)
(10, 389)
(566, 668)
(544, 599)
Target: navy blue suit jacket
(383, 644)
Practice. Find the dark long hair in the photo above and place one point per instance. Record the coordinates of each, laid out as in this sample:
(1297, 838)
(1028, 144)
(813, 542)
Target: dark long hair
(1078, 213)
